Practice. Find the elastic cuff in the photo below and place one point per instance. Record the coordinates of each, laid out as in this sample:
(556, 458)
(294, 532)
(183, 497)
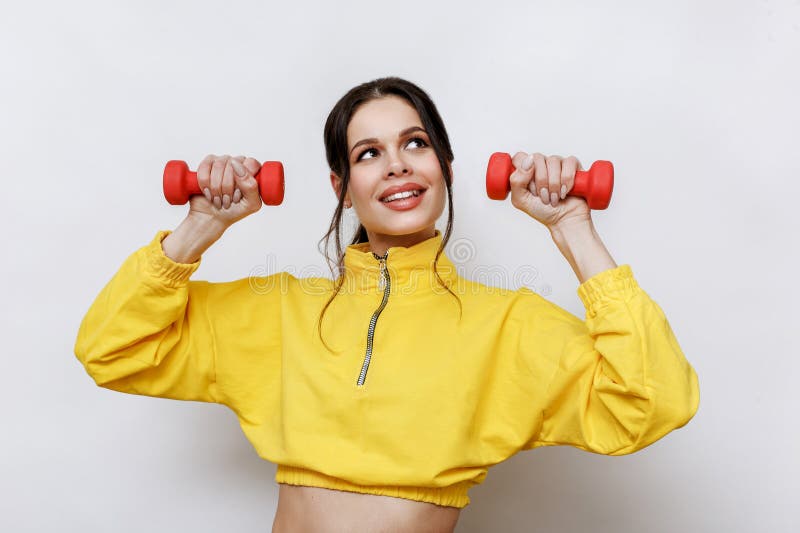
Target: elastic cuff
(158, 265)
(617, 283)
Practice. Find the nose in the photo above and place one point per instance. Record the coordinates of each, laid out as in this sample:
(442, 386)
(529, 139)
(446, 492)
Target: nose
(398, 166)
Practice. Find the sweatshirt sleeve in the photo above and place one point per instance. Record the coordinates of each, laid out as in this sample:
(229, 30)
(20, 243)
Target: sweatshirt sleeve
(618, 381)
(151, 330)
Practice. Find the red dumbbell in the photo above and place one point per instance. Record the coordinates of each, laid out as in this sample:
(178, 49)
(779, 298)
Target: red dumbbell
(180, 182)
(594, 185)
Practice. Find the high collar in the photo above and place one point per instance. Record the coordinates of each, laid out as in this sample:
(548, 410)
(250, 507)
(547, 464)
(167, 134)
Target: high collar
(409, 267)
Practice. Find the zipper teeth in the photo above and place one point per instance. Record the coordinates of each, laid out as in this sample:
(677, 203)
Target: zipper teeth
(385, 282)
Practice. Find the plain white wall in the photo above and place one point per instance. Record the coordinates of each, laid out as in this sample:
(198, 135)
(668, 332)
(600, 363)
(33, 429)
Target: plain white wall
(695, 102)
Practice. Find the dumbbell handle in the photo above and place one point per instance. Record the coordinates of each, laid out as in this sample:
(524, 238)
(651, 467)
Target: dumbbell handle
(594, 185)
(180, 183)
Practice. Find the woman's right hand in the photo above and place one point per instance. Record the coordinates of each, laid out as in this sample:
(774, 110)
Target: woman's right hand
(227, 196)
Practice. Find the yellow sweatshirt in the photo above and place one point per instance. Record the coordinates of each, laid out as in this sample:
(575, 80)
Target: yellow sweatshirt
(411, 401)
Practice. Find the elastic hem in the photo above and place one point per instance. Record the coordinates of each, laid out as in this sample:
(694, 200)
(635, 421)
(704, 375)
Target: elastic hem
(158, 265)
(615, 282)
(450, 496)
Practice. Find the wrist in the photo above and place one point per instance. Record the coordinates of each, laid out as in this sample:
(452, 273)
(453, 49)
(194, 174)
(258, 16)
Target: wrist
(567, 230)
(581, 246)
(200, 224)
(193, 236)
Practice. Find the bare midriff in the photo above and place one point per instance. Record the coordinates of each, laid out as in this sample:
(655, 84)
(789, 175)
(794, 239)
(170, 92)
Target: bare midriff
(318, 510)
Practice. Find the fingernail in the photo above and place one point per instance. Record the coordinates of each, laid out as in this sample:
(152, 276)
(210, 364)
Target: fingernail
(207, 194)
(553, 199)
(543, 195)
(237, 195)
(563, 191)
(528, 163)
(226, 201)
(237, 167)
(217, 202)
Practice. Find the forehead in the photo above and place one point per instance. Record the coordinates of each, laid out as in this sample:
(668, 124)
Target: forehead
(382, 117)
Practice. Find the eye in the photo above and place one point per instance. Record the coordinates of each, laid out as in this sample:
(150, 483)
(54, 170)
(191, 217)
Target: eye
(361, 155)
(421, 141)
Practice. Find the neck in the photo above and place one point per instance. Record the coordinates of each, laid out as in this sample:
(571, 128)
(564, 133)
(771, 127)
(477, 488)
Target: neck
(380, 242)
(410, 268)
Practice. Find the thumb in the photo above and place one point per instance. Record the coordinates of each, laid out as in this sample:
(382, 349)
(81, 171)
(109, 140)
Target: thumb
(244, 179)
(523, 174)
(252, 165)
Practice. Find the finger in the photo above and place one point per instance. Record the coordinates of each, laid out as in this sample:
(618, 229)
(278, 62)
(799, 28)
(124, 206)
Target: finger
(520, 179)
(204, 175)
(227, 185)
(217, 168)
(540, 177)
(568, 168)
(553, 178)
(239, 158)
(238, 171)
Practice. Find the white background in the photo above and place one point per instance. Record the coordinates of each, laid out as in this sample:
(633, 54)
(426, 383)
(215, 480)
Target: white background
(695, 102)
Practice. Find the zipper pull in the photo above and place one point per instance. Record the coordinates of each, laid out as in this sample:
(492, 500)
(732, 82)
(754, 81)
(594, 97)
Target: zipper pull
(382, 280)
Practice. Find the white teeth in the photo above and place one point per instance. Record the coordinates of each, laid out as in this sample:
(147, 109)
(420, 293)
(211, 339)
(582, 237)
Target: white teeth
(399, 195)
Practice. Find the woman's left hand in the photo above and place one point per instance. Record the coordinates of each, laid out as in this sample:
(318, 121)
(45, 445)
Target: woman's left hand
(539, 187)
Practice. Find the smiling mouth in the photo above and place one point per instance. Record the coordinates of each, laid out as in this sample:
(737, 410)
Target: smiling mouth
(414, 194)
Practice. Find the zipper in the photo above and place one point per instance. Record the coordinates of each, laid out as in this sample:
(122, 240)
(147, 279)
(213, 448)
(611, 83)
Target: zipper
(385, 283)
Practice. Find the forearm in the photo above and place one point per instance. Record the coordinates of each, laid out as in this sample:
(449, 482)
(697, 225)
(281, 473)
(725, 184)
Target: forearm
(582, 247)
(191, 239)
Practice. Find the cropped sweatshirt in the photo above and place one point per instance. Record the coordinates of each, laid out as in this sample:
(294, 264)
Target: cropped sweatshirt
(417, 393)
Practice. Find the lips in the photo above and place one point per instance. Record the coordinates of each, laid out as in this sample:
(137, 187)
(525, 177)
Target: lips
(408, 186)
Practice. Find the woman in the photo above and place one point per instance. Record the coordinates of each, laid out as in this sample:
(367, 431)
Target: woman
(386, 392)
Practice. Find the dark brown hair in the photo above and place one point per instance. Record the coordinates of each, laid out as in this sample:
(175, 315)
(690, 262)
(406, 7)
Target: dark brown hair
(339, 163)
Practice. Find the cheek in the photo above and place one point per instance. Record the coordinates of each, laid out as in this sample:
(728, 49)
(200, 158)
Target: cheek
(432, 165)
(433, 172)
(359, 186)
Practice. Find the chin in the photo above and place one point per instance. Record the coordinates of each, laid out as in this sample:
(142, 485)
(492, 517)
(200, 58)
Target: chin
(387, 222)
(405, 227)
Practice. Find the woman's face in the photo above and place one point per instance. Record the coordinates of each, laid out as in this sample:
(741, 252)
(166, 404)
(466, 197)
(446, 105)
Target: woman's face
(387, 146)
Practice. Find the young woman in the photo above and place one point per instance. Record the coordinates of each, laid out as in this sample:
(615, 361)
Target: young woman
(384, 393)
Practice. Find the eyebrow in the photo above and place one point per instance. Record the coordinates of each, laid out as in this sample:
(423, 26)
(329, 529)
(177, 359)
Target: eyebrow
(399, 135)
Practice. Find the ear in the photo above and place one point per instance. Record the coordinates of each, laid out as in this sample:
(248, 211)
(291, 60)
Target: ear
(336, 183)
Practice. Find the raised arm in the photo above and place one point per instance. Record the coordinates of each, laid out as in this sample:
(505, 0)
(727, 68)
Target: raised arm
(618, 381)
(147, 331)
(154, 332)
